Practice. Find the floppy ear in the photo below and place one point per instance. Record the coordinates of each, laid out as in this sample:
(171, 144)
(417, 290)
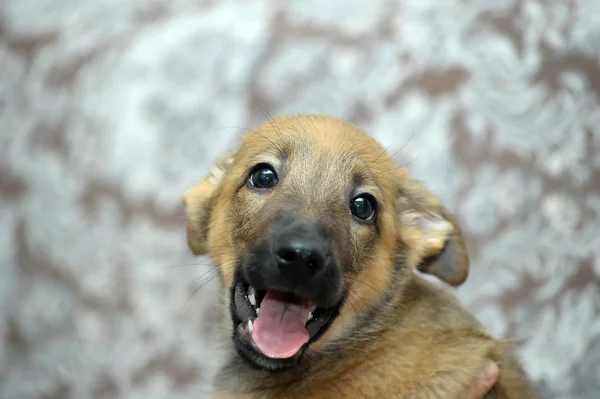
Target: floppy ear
(198, 203)
(434, 240)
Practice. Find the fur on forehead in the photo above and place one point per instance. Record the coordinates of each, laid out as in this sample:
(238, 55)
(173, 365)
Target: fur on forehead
(335, 141)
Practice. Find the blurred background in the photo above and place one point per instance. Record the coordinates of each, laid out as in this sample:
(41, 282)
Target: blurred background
(111, 109)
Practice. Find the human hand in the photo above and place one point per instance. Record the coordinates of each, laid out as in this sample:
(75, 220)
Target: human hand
(483, 382)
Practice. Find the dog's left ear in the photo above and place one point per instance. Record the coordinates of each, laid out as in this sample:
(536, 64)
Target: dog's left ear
(198, 202)
(429, 231)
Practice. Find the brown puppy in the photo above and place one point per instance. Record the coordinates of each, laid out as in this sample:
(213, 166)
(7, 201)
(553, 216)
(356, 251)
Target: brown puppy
(317, 234)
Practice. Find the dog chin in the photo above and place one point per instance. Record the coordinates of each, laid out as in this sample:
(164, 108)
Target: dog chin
(277, 340)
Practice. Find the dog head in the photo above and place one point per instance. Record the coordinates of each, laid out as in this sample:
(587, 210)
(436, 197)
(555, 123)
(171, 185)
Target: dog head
(313, 227)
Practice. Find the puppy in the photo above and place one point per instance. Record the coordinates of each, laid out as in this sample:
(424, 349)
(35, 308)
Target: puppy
(317, 235)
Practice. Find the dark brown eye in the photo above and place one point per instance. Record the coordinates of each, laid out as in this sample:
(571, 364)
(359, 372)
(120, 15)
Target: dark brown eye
(263, 176)
(363, 207)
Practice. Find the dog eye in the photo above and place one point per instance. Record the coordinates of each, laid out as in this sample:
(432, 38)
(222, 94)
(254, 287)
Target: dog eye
(363, 207)
(263, 176)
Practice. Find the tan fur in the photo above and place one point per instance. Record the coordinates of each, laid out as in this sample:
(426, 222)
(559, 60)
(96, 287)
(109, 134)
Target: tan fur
(420, 343)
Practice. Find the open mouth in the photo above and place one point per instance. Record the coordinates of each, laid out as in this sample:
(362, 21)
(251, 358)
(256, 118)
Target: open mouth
(275, 326)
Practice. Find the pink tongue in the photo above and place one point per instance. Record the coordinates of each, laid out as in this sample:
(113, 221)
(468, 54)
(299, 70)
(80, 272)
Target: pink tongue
(279, 330)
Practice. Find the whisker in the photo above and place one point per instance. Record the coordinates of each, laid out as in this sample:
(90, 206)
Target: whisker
(358, 298)
(273, 126)
(382, 152)
(367, 284)
(212, 273)
(391, 157)
(188, 265)
(403, 146)
(202, 285)
(233, 127)
(268, 116)
(252, 131)
(205, 274)
(401, 166)
(190, 298)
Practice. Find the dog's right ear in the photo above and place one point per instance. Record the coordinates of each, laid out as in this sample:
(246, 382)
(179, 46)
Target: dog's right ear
(432, 235)
(198, 202)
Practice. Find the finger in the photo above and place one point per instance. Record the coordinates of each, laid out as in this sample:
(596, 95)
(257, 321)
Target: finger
(483, 382)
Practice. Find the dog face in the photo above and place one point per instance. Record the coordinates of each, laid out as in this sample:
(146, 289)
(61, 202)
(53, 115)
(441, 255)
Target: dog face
(315, 230)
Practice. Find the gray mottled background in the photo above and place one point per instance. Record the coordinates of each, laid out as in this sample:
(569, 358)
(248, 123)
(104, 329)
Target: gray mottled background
(111, 109)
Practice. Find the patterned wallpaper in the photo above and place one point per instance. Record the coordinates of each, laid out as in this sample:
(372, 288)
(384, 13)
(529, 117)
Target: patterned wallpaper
(111, 109)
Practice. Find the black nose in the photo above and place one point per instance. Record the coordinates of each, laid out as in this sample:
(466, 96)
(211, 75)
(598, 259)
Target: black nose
(299, 255)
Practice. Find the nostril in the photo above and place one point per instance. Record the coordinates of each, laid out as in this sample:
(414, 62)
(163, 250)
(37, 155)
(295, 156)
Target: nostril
(313, 264)
(299, 255)
(287, 255)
